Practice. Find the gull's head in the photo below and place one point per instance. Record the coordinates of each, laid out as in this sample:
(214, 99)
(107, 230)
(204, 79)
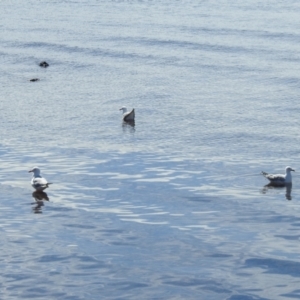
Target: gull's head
(124, 109)
(35, 171)
(289, 169)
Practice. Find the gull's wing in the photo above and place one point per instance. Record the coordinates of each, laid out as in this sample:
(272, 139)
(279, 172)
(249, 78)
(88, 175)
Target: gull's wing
(39, 182)
(274, 178)
(129, 116)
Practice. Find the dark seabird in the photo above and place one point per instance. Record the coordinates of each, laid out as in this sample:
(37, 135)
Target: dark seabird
(44, 64)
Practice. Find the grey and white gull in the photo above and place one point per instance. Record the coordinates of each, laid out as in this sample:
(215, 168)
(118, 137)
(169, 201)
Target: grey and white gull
(280, 179)
(128, 116)
(38, 182)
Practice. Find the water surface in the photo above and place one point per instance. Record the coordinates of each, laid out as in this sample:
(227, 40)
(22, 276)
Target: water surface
(173, 207)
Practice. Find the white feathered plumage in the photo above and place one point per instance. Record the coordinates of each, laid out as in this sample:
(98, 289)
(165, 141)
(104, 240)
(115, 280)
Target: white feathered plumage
(38, 182)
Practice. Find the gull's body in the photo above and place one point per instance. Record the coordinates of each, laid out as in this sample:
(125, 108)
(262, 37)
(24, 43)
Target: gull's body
(38, 182)
(280, 179)
(128, 115)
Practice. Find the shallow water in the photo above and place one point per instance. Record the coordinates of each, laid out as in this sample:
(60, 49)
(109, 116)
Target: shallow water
(173, 207)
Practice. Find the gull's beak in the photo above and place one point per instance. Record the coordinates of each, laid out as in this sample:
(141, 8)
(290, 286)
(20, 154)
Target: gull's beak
(293, 170)
(29, 171)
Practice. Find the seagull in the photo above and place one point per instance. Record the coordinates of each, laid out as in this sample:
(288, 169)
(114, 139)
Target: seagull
(38, 182)
(279, 179)
(128, 116)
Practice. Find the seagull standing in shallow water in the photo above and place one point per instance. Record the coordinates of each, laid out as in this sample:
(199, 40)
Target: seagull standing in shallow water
(128, 116)
(280, 179)
(38, 182)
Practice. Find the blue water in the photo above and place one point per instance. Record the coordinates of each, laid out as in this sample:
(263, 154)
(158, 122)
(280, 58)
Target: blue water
(175, 206)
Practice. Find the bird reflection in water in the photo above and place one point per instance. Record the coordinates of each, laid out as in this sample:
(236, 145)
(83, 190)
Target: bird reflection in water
(39, 197)
(287, 186)
(128, 126)
(288, 192)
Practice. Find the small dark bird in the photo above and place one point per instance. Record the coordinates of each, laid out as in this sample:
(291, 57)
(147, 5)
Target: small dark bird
(44, 64)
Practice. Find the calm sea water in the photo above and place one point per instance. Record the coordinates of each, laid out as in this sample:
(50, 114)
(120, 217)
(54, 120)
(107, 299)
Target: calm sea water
(173, 207)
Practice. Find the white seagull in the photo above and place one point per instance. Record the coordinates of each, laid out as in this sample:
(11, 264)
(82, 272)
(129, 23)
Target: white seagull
(128, 116)
(38, 182)
(280, 179)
